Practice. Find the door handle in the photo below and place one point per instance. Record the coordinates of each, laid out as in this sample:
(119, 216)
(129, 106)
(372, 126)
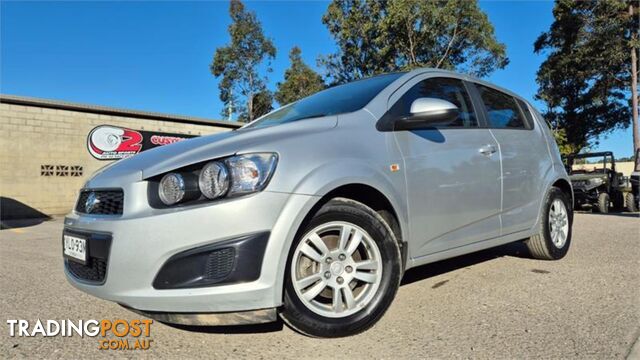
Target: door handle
(487, 150)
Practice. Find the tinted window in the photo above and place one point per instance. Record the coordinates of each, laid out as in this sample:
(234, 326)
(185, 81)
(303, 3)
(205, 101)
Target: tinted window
(336, 100)
(527, 114)
(502, 109)
(448, 89)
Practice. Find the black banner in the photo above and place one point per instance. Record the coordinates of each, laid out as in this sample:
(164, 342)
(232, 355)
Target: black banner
(107, 142)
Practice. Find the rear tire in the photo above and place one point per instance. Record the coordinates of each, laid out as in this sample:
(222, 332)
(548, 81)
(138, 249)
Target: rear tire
(603, 203)
(333, 291)
(554, 238)
(631, 202)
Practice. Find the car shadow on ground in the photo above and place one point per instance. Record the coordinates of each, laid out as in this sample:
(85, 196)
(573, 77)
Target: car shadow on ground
(15, 214)
(22, 223)
(413, 275)
(234, 329)
(517, 249)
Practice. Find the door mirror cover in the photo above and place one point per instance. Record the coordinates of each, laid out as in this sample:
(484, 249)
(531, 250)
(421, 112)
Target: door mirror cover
(427, 112)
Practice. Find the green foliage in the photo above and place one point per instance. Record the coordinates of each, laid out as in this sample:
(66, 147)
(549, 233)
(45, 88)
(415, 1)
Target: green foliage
(362, 41)
(377, 36)
(262, 104)
(561, 139)
(299, 80)
(586, 77)
(237, 63)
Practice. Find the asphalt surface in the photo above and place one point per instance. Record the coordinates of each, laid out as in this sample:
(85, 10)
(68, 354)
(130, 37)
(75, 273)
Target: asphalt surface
(495, 304)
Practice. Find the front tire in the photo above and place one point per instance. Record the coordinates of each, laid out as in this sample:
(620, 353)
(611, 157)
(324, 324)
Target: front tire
(554, 238)
(603, 203)
(343, 271)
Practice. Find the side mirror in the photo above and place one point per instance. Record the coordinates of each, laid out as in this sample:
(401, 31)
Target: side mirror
(426, 112)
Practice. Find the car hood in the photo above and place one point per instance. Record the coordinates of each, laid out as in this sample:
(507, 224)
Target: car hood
(183, 153)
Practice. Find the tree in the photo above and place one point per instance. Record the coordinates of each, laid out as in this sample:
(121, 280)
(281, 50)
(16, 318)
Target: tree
(586, 77)
(237, 63)
(363, 46)
(262, 104)
(634, 46)
(560, 135)
(299, 80)
(377, 36)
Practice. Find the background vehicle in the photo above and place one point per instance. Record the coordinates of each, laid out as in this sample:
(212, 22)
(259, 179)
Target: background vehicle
(315, 210)
(597, 184)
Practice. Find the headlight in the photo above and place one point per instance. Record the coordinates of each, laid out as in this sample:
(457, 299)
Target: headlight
(596, 181)
(233, 176)
(171, 188)
(175, 187)
(214, 180)
(250, 173)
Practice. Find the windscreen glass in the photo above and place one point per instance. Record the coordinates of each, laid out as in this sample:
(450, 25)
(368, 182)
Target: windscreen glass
(332, 101)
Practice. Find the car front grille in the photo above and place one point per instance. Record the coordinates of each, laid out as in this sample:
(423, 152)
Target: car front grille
(94, 271)
(103, 202)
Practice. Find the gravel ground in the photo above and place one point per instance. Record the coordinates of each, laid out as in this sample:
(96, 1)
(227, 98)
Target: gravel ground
(495, 304)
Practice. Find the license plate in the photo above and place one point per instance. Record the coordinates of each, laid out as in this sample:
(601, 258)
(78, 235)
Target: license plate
(75, 248)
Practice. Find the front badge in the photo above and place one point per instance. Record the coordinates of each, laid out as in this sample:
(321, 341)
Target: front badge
(91, 202)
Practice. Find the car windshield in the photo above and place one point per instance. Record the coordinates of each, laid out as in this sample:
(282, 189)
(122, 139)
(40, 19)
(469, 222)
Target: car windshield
(335, 100)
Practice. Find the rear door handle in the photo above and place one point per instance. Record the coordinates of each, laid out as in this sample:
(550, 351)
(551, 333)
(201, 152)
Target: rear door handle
(487, 150)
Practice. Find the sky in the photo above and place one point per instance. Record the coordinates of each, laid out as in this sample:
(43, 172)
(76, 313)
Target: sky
(155, 56)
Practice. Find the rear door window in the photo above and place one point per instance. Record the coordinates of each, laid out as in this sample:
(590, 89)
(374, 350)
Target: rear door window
(528, 116)
(503, 111)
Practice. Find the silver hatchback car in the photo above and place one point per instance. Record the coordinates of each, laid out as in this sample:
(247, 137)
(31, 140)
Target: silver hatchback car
(315, 210)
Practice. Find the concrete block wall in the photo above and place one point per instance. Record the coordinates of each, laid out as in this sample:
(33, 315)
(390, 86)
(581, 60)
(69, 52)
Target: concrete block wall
(34, 136)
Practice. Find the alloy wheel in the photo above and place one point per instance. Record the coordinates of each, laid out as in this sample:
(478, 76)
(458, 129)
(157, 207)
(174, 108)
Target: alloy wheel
(336, 269)
(558, 223)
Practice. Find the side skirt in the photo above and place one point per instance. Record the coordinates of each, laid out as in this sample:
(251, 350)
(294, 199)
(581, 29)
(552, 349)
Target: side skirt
(467, 249)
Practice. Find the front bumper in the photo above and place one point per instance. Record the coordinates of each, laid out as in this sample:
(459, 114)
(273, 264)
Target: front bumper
(213, 319)
(143, 242)
(582, 196)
